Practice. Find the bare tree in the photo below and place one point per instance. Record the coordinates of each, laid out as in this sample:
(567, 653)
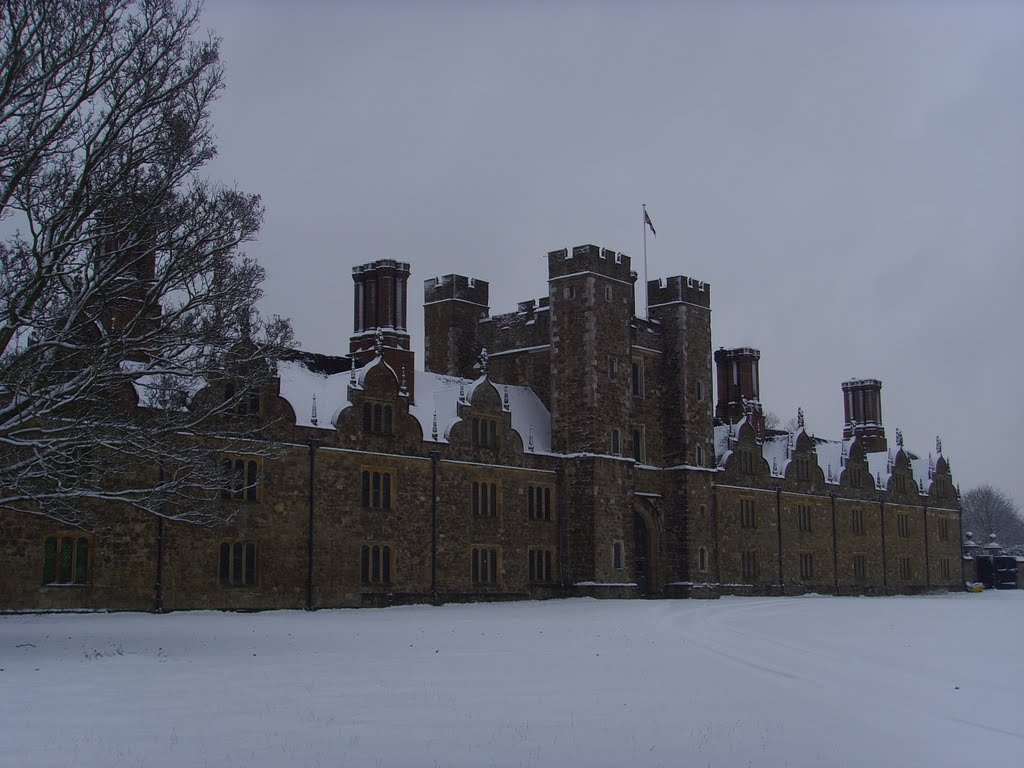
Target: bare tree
(987, 511)
(129, 337)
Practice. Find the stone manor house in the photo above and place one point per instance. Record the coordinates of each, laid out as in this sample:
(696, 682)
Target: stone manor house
(568, 448)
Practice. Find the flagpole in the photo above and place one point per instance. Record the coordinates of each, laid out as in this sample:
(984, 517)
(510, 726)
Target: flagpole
(643, 225)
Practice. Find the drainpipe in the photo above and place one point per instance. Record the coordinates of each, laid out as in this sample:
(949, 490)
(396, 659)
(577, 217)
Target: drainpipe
(927, 558)
(835, 547)
(885, 565)
(960, 538)
(778, 526)
(435, 458)
(560, 496)
(313, 444)
(158, 587)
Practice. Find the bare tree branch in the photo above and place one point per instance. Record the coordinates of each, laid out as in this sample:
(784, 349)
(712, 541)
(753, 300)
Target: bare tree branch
(130, 343)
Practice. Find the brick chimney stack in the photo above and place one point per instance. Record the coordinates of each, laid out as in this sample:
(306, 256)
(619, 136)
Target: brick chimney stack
(380, 301)
(862, 406)
(739, 386)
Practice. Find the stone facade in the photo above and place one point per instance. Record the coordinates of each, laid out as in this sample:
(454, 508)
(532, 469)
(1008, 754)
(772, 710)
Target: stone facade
(568, 448)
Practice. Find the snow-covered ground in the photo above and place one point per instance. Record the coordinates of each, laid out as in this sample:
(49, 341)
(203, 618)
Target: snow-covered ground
(814, 681)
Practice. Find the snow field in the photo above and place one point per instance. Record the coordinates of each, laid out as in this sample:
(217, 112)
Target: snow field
(813, 681)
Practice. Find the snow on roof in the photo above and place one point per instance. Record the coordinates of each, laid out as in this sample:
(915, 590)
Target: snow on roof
(830, 458)
(776, 453)
(163, 390)
(528, 413)
(298, 386)
(921, 469)
(722, 447)
(878, 466)
(437, 394)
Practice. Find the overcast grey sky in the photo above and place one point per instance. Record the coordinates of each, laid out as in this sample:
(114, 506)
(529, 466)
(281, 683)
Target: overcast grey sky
(849, 177)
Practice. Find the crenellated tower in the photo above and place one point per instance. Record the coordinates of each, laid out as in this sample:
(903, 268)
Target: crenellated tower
(590, 293)
(682, 307)
(453, 306)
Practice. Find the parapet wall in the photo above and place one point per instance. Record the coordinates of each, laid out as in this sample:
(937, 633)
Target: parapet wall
(589, 258)
(680, 288)
(456, 287)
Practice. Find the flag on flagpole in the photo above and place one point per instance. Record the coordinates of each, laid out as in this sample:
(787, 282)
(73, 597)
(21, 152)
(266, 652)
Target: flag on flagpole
(647, 221)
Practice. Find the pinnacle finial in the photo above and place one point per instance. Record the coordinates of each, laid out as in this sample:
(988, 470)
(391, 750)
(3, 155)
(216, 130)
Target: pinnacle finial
(530, 444)
(433, 431)
(506, 397)
(938, 445)
(379, 345)
(403, 389)
(899, 437)
(313, 415)
(352, 369)
(800, 417)
(483, 361)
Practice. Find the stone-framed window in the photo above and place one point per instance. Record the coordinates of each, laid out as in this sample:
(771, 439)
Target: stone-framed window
(857, 521)
(66, 559)
(484, 498)
(905, 567)
(746, 461)
(240, 478)
(860, 567)
(699, 455)
(945, 567)
(616, 442)
(238, 564)
(803, 468)
(613, 368)
(806, 565)
(569, 292)
(540, 565)
(640, 444)
(539, 502)
(903, 524)
(375, 562)
(901, 483)
(484, 432)
(748, 564)
(617, 561)
(637, 378)
(485, 564)
(803, 513)
(748, 514)
(377, 487)
(608, 293)
(377, 418)
(702, 559)
(699, 387)
(248, 404)
(943, 529)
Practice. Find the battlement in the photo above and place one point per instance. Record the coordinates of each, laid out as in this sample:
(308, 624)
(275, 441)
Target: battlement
(589, 258)
(680, 288)
(457, 287)
(382, 264)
